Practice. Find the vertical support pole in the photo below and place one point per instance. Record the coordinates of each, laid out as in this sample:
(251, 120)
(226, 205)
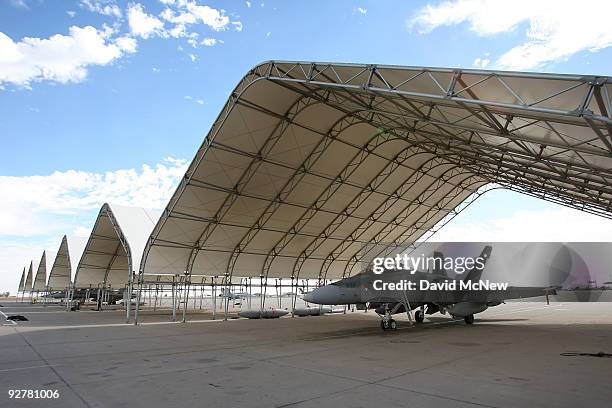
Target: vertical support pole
(173, 300)
(99, 299)
(263, 297)
(138, 293)
(201, 293)
(214, 298)
(250, 286)
(294, 294)
(127, 298)
(69, 297)
(156, 296)
(187, 282)
(228, 291)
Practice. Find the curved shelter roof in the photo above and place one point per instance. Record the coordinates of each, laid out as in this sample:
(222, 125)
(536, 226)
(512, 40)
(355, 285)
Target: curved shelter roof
(22, 281)
(65, 263)
(27, 285)
(115, 246)
(40, 280)
(309, 163)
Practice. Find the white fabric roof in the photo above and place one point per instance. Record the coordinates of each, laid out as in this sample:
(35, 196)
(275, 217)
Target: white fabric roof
(310, 163)
(116, 242)
(40, 279)
(66, 261)
(27, 286)
(22, 280)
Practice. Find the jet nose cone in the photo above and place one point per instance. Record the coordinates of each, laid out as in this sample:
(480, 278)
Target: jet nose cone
(308, 297)
(325, 295)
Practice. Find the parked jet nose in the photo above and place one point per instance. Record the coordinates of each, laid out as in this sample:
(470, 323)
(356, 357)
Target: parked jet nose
(325, 295)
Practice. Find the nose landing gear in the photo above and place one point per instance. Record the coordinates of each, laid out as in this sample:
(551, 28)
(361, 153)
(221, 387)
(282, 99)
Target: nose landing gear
(389, 324)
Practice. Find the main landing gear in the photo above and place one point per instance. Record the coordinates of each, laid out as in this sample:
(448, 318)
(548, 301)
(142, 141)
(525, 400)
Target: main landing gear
(389, 324)
(469, 319)
(419, 315)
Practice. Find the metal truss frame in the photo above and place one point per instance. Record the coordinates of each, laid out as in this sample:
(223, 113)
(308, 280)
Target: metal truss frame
(518, 140)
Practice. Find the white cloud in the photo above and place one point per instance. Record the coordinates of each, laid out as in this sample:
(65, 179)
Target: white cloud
(548, 225)
(193, 57)
(556, 29)
(66, 58)
(209, 42)
(481, 62)
(362, 10)
(36, 211)
(127, 44)
(248, 3)
(20, 4)
(215, 19)
(107, 8)
(143, 24)
(60, 58)
(31, 205)
(191, 98)
(81, 231)
(182, 14)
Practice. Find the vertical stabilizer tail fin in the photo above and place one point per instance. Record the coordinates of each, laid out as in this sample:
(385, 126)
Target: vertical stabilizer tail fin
(438, 268)
(476, 272)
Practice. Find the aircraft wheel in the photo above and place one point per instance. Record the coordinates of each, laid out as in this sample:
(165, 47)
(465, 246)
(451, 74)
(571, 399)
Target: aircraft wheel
(384, 325)
(469, 319)
(419, 316)
(392, 324)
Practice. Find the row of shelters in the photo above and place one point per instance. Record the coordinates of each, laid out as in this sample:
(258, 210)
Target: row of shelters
(313, 169)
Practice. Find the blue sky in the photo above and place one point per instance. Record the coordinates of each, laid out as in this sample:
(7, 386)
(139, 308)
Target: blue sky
(149, 94)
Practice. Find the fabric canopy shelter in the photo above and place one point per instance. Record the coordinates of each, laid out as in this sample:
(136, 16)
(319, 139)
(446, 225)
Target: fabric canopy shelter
(22, 281)
(27, 285)
(65, 263)
(114, 248)
(40, 280)
(312, 169)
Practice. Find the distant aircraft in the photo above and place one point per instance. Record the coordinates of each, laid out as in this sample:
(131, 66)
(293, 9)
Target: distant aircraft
(359, 290)
(234, 295)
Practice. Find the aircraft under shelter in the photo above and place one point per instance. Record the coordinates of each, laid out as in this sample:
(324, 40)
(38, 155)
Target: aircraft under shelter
(313, 169)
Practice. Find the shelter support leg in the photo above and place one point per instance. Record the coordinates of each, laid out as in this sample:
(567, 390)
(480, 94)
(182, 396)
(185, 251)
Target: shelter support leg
(214, 298)
(173, 302)
(127, 301)
(137, 310)
(227, 297)
(183, 320)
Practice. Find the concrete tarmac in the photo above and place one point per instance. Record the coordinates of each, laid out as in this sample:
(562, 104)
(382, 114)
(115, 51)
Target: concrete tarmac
(510, 357)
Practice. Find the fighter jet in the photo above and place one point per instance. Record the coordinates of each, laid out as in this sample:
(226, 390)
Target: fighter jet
(430, 292)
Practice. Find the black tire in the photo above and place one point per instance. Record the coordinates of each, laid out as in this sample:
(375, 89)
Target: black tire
(383, 325)
(469, 319)
(392, 324)
(419, 316)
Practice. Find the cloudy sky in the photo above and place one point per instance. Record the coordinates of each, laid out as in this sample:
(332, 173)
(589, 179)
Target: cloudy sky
(106, 100)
